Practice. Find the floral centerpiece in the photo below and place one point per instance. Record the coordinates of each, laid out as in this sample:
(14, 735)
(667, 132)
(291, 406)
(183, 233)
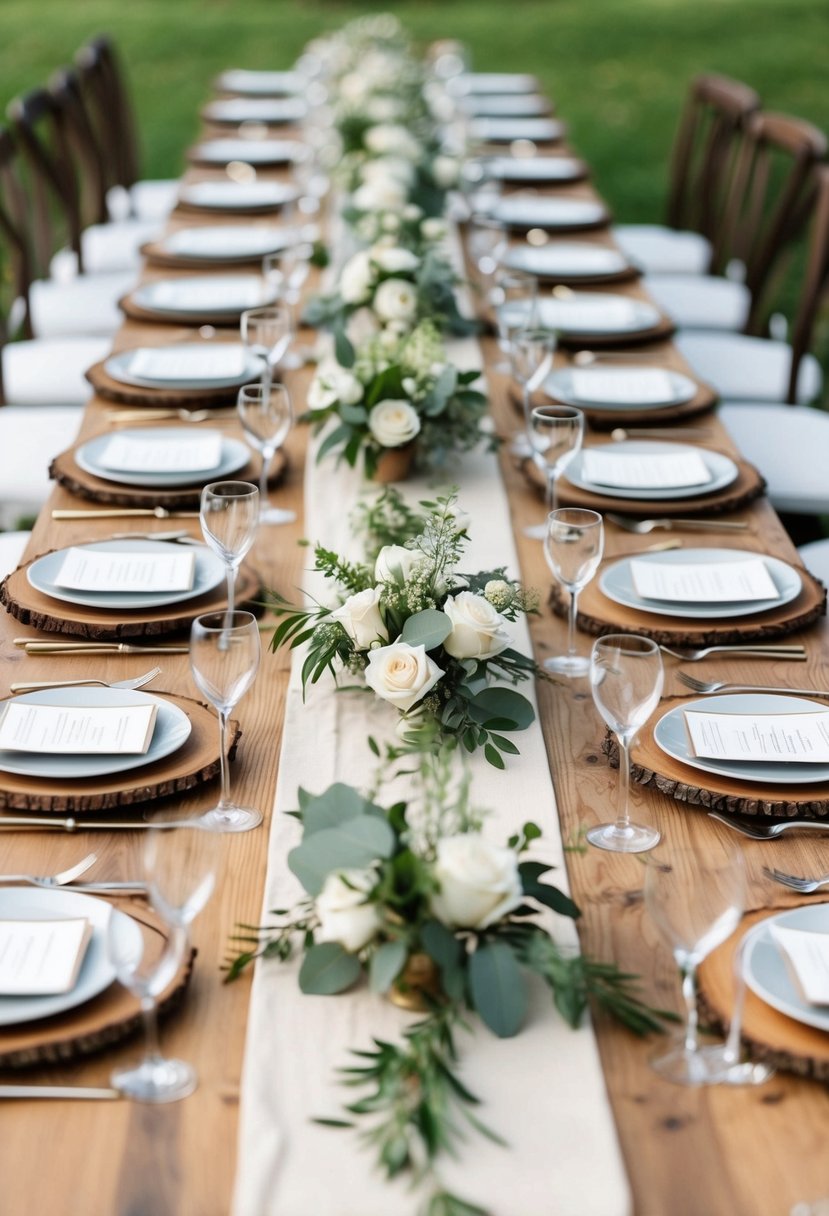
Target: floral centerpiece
(431, 641)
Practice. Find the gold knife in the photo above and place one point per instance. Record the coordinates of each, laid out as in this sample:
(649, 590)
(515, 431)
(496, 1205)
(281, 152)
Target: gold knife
(124, 512)
(35, 647)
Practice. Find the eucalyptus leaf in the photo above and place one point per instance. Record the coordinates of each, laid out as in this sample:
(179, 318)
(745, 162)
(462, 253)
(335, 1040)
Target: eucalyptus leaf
(386, 964)
(336, 805)
(498, 987)
(327, 969)
(343, 349)
(429, 628)
(355, 844)
(504, 704)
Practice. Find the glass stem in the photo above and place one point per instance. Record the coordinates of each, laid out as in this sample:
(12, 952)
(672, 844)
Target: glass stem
(152, 1049)
(571, 621)
(552, 482)
(623, 816)
(224, 801)
(231, 592)
(689, 993)
(267, 457)
(526, 402)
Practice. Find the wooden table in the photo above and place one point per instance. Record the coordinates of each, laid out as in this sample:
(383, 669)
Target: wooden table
(688, 1152)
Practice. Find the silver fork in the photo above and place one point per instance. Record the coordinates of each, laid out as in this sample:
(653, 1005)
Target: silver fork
(754, 652)
(137, 682)
(53, 880)
(804, 885)
(768, 831)
(643, 526)
(709, 686)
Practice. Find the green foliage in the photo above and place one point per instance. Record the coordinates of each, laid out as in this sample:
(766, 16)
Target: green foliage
(328, 969)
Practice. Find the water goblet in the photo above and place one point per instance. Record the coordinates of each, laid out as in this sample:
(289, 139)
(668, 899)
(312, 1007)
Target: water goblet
(487, 246)
(229, 517)
(287, 270)
(531, 353)
(267, 416)
(626, 678)
(224, 659)
(180, 867)
(573, 548)
(696, 902)
(514, 300)
(556, 434)
(266, 333)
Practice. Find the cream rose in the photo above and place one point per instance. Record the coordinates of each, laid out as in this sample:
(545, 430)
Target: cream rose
(395, 300)
(356, 278)
(361, 325)
(394, 139)
(433, 229)
(477, 631)
(345, 915)
(394, 260)
(377, 195)
(479, 882)
(360, 618)
(394, 563)
(445, 171)
(393, 423)
(388, 167)
(333, 383)
(401, 674)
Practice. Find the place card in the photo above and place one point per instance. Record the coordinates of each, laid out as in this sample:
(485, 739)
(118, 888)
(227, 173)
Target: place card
(85, 569)
(634, 386)
(734, 582)
(644, 470)
(225, 242)
(206, 297)
(807, 954)
(784, 738)
(90, 730)
(42, 957)
(217, 361)
(584, 315)
(133, 453)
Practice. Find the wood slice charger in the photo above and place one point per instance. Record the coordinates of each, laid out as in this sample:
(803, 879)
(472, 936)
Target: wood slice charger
(110, 1017)
(108, 387)
(135, 312)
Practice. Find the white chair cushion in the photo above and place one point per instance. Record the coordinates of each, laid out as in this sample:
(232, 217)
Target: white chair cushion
(12, 545)
(696, 301)
(748, 369)
(107, 249)
(146, 200)
(29, 439)
(790, 446)
(83, 306)
(47, 372)
(660, 250)
(816, 558)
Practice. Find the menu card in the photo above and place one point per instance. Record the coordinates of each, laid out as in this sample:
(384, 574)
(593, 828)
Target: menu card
(27, 726)
(583, 315)
(807, 953)
(788, 738)
(214, 361)
(226, 242)
(205, 297)
(644, 470)
(703, 582)
(157, 454)
(634, 386)
(41, 957)
(99, 570)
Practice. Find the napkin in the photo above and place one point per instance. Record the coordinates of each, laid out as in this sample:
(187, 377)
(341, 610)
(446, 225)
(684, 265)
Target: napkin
(807, 954)
(201, 296)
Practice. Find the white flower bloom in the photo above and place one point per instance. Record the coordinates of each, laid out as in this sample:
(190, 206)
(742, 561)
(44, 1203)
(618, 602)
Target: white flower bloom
(361, 326)
(391, 222)
(392, 139)
(395, 564)
(499, 592)
(401, 674)
(412, 212)
(356, 278)
(388, 167)
(445, 171)
(479, 882)
(394, 260)
(393, 423)
(333, 383)
(462, 518)
(409, 386)
(345, 916)
(353, 87)
(378, 195)
(383, 109)
(320, 393)
(433, 229)
(360, 618)
(477, 631)
(395, 300)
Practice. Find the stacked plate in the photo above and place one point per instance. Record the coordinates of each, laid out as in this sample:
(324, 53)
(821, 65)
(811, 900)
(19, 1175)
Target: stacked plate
(229, 244)
(494, 82)
(262, 152)
(203, 297)
(537, 168)
(525, 211)
(244, 109)
(185, 366)
(518, 105)
(253, 197)
(260, 84)
(568, 260)
(92, 458)
(620, 389)
(506, 130)
(578, 315)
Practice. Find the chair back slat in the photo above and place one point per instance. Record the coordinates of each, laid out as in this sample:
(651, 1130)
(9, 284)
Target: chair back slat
(816, 277)
(105, 89)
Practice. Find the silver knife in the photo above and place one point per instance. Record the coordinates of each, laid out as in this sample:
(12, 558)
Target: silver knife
(124, 513)
(69, 824)
(58, 1091)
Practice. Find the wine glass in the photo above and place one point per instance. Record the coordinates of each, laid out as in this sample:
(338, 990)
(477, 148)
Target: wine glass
(286, 270)
(266, 333)
(573, 548)
(487, 245)
(180, 867)
(514, 300)
(229, 517)
(531, 352)
(626, 679)
(224, 658)
(556, 434)
(266, 415)
(695, 901)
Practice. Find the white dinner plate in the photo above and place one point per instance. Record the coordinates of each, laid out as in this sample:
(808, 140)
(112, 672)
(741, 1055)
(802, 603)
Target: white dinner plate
(587, 312)
(722, 469)
(238, 196)
(235, 455)
(96, 973)
(229, 243)
(210, 573)
(566, 260)
(767, 972)
(204, 295)
(494, 82)
(250, 151)
(616, 582)
(119, 368)
(671, 736)
(260, 84)
(560, 385)
(536, 168)
(252, 109)
(518, 105)
(505, 130)
(537, 211)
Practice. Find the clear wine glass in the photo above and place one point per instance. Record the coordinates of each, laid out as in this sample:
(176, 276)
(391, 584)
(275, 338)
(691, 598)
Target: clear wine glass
(487, 246)
(532, 351)
(180, 867)
(573, 548)
(556, 434)
(229, 517)
(267, 416)
(626, 678)
(514, 300)
(696, 902)
(286, 270)
(266, 333)
(224, 659)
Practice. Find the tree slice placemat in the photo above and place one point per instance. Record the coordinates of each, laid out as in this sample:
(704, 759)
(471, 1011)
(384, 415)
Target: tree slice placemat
(155, 252)
(66, 471)
(194, 763)
(133, 394)
(768, 1035)
(605, 420)
(32, 607)
(650, 766)
(110, 1017)
(136, 313)
(748, 485)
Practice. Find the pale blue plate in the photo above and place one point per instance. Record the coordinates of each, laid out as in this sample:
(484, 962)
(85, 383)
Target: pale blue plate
(235, 455)
(722, 469)
(767, 972)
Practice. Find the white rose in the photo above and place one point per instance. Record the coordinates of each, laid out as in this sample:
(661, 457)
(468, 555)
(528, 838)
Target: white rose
(388, 167)
(320, 393)
(344, 914)
(395, 300)
(390, 222)
(395, 564)
(433, 230)
(353, 87)
(383, 109)
(333, 383)
(361, 325)
(393, 423)
(477, 631)
(360, 618)
(445, 171)
(348, 388)
(394, 260)
(412, 212)
(356, 278)
(392, 138)
(385, 192)
(479, 882)
(401, 674)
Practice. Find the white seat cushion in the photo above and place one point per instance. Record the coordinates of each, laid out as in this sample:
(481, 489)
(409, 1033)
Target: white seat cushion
(12, 545)
(29, 439)
(47, 372)
(85, 305)
(660, 250)
(748, 369)
(697, 301)
(107, 249)
(790, 446)
(146, 200)
(816, 558)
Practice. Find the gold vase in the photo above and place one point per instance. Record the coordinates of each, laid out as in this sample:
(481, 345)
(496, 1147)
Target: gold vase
(395, 464)
(419, 980)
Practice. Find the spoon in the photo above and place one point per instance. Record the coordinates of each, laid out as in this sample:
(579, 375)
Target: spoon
(619, 433)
